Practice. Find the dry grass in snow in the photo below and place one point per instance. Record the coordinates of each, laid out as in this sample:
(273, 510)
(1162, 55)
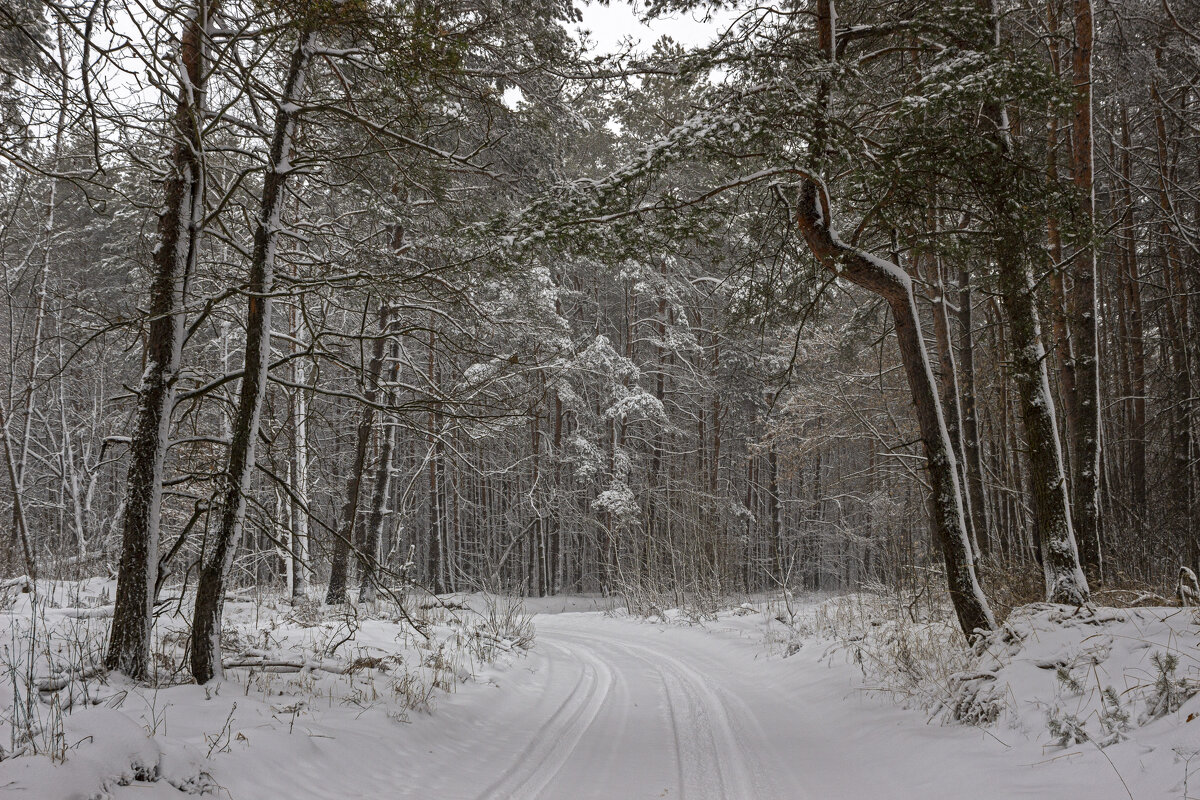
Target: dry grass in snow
(300, 679)
(1122, 684)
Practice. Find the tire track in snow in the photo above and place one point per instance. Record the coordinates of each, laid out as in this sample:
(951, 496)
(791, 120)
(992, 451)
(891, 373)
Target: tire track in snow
(712, 756)
(543, 758)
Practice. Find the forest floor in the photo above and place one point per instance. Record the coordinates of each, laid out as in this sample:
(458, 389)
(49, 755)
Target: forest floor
(759, 701)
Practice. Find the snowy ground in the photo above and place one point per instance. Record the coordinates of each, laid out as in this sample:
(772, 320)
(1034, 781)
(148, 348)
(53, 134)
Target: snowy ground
(609, 706)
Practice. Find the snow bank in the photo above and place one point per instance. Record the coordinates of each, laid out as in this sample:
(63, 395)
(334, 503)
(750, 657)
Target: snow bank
(311, 694)
(1126, 680)
(1114, 689)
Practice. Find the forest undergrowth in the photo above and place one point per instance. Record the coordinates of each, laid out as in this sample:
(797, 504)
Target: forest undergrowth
(288, 666)
(1069, 678)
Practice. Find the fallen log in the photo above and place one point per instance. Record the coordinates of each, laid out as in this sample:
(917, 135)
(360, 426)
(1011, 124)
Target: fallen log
(62, 680)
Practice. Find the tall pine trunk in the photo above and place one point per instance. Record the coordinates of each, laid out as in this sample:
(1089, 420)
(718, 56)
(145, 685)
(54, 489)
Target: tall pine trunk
(1064, 579)
(973, 469)
(1136, 344)
(1086, 451)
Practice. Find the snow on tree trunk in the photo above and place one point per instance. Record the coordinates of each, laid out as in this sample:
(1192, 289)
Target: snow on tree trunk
(218, 561)
(339, 575)
(1055, 536)
(951, 405)
(383, 474)
(299, 474)
(174, 255)
(946, 508)
(1065, 582)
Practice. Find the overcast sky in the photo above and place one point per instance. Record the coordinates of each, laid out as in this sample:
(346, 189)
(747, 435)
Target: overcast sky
(609, 24)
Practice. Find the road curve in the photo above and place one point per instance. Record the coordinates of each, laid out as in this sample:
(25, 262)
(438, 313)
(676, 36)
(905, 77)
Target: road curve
(607, 709)
(611, 708)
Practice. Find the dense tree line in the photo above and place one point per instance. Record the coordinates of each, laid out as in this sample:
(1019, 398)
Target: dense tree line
(371, 294)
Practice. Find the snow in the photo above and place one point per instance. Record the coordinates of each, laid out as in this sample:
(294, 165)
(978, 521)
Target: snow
(361, 683)
(1124, 680)
(618, 499)
(760, 701)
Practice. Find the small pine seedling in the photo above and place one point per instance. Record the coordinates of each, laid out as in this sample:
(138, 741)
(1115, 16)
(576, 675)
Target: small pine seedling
(1066, 729)
(1069, 681)
(1169, 692)
(1113, 717)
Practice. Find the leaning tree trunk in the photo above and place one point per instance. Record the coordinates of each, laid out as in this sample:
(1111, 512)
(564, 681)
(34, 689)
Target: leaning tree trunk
(174, 255)
(218, 562)
(894, 285)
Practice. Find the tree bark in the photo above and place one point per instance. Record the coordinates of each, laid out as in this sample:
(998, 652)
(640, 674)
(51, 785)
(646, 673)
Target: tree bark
(299, 471)
(951, 404)
(1064, 579)
(970, 420)
(174, 256)
(383, 475)
(339, 574)
(1086, 452)
(1136, 343)
(437, 554)
(218, 561)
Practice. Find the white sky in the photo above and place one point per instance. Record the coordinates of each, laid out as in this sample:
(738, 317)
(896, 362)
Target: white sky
(609, 24)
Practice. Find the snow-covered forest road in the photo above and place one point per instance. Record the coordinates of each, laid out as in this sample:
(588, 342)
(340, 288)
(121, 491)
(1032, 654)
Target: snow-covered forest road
(605, 705)
(620, 709)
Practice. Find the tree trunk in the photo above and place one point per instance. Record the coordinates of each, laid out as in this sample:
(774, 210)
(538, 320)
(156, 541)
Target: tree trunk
(383, 474)
(339, 573)
(218, 562)
(1064, 579)
(973, 468)
(299, 470)
(437, 555)
(174, 255)
(1136, 344)
(1086, 451)
(951, 404)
